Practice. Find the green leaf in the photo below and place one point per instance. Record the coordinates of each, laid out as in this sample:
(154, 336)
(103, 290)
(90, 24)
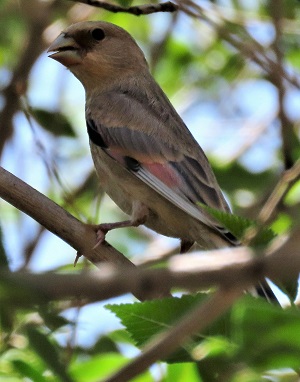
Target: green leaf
(234, 64)
(268, 337)
(104, 345)
(282, 224)
(182, 372)
(101, 366)
(169, 71)
(294, 58)
(89, 371)
(121, 336)
(238, 226)
(26, 370)
(254, 333)
(144, 320)
(48, 352)
(54, 122)
(293, 195)
(234, 174)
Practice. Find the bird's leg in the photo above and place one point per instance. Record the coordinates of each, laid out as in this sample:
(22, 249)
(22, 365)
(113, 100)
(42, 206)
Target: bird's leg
(139, 215)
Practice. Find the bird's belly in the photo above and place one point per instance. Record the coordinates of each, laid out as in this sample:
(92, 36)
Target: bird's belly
(165, 218)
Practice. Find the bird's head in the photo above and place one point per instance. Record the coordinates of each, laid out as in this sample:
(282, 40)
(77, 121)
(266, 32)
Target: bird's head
(97, 53)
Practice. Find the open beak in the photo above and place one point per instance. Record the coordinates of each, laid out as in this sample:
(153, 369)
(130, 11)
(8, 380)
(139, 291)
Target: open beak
(66, 51)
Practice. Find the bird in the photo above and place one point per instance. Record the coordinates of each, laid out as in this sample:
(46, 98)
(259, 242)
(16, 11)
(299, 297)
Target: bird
(145, 157)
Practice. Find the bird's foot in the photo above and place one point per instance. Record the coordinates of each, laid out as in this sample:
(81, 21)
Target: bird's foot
(139, 216)
(102, 229)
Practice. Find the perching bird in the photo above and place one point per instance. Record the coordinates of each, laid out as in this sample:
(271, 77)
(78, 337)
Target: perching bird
(146, 158)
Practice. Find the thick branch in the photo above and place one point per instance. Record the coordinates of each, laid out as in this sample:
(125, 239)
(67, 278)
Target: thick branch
(233, 268)
(58, 221)
(226, 268)
(78, 235)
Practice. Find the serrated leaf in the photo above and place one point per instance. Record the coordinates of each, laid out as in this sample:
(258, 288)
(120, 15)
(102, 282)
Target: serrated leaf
(144, 320)
(48, 352)
(121, 336)
(54, 122)
(238, 226)
(253, 332)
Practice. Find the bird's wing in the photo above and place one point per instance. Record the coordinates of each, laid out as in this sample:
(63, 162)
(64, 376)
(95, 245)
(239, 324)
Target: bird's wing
(146, 135)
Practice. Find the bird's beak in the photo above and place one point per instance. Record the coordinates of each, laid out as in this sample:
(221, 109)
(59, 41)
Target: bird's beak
(66, 51)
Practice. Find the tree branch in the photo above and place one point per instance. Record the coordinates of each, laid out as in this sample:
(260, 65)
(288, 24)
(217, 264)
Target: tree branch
(136, 10)
(287, 133)
(245, 44)
(18, 84)
(225, 268)
(287, 179)
(78, 235)
(37, 16)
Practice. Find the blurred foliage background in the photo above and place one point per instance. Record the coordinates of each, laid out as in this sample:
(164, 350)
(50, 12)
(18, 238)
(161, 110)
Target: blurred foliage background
(230, 67)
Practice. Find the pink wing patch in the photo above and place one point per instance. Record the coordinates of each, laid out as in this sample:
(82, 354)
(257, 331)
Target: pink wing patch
(164, 173)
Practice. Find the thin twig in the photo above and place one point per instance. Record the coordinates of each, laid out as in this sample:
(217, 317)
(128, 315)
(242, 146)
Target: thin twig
(246, 45)
(135, 10)
(283, 185)
(287, 179)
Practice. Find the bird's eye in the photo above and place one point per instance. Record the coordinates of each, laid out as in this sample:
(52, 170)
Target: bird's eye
(98, 34)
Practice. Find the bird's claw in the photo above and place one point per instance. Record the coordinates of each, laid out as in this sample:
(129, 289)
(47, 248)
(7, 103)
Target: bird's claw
(101, 231)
